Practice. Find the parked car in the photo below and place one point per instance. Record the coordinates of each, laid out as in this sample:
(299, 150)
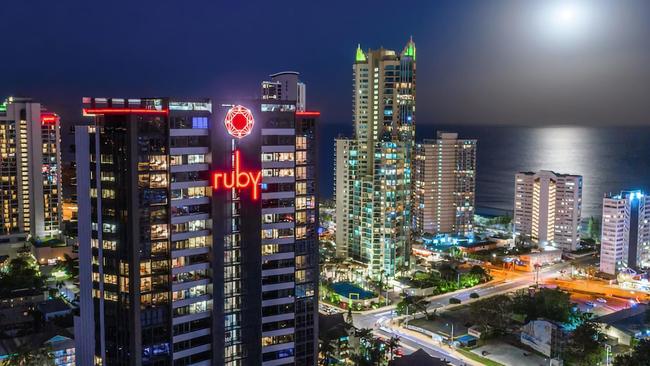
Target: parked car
(591, 303)
(601, 300)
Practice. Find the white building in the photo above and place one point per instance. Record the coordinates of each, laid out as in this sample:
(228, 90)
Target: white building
(445, 185)
(625, 238)
(30, 181)
(548, 207)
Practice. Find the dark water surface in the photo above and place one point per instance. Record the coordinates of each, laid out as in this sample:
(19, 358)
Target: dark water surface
(610, 159)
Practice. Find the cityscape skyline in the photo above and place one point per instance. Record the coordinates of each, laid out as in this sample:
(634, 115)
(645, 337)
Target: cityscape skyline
(294, 183)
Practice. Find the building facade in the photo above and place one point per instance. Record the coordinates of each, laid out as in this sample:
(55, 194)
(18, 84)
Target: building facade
(625, 239)
(341, 197)
(198, 234)
(548, 206)
(444, 188)
(377, 180)
(30, 181)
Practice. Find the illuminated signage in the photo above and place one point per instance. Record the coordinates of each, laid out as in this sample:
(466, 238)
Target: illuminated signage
(239, 121)
(238, 179)
(48, 118)
(94, 111)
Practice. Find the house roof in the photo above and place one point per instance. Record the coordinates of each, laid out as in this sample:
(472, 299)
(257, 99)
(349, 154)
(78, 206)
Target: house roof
(420, 358)
(631, 320)
(51, 335)
(53, 306)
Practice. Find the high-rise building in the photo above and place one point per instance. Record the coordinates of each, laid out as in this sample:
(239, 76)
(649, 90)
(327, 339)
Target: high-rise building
(377, 210)
(548, 207)
(198, 240)
(286, 86)
(341, 196)
(625, 240)
(444, 185)
(30, 181)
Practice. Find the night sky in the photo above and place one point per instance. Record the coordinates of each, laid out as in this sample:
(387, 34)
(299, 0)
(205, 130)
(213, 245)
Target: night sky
(507, 62)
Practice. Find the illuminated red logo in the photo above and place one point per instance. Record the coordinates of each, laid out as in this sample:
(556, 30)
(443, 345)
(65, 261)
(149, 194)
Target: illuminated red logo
(238, 179)
(239, 121)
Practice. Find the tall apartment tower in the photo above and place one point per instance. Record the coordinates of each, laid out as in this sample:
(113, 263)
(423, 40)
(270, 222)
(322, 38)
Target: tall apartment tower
(625, 240)
(378, 171)
(198, 233)
(286, 86)
(30, 162)
(444, 185)
(548, 207)
(341, 194)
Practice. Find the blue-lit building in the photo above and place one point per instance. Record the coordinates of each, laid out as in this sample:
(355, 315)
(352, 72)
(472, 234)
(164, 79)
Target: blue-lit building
(625, 241)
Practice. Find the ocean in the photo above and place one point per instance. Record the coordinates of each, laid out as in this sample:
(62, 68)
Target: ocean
(610, 159)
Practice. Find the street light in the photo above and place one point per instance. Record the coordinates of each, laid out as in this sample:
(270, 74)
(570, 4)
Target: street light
(608, 350)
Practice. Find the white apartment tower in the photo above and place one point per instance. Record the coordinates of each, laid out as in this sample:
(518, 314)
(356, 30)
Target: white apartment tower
(548, 207)
(30, 182)
(373, 178)
(625, 240)
(444, 185)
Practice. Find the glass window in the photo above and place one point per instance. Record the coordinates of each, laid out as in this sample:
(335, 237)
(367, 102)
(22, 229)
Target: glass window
(199, 122)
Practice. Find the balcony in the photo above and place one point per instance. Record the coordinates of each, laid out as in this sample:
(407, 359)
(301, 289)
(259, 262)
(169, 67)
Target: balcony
(190, 317)
(192, 351)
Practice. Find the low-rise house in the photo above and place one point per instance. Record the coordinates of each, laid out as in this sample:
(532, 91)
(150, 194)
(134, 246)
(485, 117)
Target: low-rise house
(54, 308)
(625, 325)
(545, 336)
(58, 342)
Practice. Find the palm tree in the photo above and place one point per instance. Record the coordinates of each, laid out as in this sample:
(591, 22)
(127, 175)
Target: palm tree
(377, 351)
(417, 303)
(365, 335)
(393, 344)
(326, 350)
(27, 357)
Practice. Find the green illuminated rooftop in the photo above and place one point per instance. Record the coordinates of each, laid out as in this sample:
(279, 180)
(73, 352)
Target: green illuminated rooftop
(3, 107)
(361, 57)
(410, 49)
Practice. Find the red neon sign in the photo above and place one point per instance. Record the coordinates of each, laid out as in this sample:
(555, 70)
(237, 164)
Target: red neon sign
(49, 118)
(91, 111)
(238, 179)
(239, 121)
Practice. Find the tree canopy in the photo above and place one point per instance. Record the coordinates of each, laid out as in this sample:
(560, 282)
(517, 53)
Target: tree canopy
(21, 273)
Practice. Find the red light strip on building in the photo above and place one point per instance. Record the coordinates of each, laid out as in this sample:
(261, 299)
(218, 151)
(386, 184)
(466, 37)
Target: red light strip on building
(49, 118)
(91, 111)
(307, 114)
(238, 179)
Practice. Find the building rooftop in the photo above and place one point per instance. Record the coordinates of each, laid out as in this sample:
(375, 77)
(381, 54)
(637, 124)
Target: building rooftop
(631, 320)
(53, 306)
(50, 335)
(419, 358)
(333, 325)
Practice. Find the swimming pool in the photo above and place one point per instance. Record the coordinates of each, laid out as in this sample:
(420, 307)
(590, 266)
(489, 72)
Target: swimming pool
(347, 288)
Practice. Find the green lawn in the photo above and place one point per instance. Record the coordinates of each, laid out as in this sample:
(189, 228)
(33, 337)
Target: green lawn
(478, 358)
